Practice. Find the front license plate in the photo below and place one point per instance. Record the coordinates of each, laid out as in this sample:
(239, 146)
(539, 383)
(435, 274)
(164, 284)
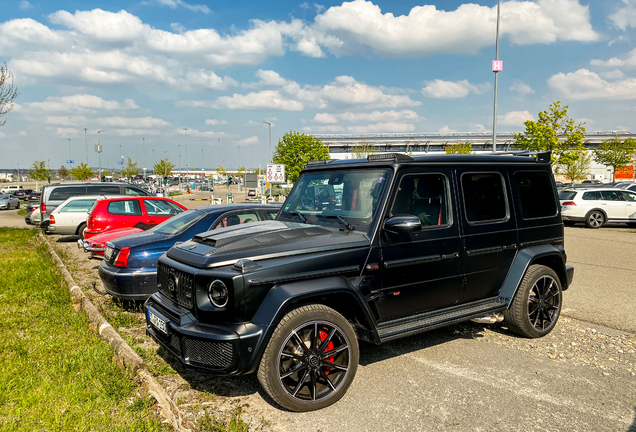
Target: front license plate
(108, 253)
(158, 323)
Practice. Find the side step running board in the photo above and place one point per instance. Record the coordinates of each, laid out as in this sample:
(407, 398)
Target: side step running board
(413, 324)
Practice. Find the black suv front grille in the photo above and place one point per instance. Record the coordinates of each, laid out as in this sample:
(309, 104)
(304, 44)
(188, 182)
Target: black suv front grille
(215, 354)
(176, 285)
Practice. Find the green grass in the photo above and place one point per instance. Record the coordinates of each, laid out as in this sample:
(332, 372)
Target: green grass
(56, 374)
(22, 212)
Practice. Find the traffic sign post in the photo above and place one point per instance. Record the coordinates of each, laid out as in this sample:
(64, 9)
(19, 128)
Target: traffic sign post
(274, 174)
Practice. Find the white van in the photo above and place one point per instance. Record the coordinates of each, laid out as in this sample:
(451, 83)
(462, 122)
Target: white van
(11, 189)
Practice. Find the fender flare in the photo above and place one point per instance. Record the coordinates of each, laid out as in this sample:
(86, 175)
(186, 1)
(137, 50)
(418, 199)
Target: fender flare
(281, 296)
(523, 260)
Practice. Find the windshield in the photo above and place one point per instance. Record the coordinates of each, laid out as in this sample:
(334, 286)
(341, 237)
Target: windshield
(326, 195)
(178, 224)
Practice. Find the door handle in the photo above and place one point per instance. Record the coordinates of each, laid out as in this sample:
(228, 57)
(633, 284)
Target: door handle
(450, 256)
(508, 247)
(150, 222)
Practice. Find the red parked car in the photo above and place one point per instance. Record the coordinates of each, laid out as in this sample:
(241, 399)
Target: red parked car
(96, 245)
(129, 212)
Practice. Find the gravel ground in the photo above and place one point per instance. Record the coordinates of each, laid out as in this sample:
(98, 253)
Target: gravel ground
(611, 352)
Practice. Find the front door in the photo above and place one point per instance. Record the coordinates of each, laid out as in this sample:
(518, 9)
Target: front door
(421, 272)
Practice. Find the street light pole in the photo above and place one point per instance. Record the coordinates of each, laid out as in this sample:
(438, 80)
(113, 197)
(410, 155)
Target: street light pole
(99, 152)
(497, 67)
(70, 157)
(269, 156)
(86, 136)
(185, 142)
(179, 167)
(144, 144)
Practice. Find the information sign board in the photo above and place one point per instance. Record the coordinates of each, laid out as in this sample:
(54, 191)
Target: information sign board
(275, 173)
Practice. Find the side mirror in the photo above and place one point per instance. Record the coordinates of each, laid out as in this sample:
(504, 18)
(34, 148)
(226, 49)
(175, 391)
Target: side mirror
(403, 225)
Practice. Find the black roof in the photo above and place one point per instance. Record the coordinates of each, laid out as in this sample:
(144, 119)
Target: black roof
(222, 208)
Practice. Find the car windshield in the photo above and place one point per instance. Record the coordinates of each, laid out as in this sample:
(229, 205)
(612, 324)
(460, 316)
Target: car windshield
(178, 224)
(323, 196)
(5, 196)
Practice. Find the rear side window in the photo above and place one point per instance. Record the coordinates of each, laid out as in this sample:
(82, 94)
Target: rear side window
(237, 219)
(64, 193)
(484, 197)
(104, 190)
(78, 206)
(161, 208)
(133, 192)
(535, 194)
(567, 195)
(126, 208)
(591, 196)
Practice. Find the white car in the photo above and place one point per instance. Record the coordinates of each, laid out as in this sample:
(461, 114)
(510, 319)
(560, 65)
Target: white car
(70, 216)
(11, 189)
(596, 206)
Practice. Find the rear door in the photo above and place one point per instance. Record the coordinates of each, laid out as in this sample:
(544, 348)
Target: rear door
(489, 231)
(421, 271)
(630, 205)
(613, 204)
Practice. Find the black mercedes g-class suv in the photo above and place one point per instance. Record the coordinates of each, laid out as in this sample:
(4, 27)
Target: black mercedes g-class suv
(411, 244)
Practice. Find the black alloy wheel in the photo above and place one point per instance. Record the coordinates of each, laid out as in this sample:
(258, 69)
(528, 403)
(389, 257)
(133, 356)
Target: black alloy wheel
(311, 359)
(536, 307)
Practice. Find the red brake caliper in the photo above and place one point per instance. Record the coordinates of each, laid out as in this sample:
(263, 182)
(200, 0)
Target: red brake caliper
(323, 335)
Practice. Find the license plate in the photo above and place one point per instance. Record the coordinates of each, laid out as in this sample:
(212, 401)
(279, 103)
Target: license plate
(158, 323)
(108, 253)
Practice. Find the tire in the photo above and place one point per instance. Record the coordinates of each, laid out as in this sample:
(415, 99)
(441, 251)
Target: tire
(80, 231)
(568, 223)
(595, 219)
(296, 369)
(536, 307)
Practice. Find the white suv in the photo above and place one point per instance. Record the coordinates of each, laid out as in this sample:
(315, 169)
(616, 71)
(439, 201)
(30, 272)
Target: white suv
(596, 206)
(11, 189)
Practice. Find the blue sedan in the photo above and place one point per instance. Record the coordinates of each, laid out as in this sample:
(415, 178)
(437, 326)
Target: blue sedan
(129, 268)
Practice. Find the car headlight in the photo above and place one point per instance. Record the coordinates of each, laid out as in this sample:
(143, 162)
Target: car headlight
(218, 294)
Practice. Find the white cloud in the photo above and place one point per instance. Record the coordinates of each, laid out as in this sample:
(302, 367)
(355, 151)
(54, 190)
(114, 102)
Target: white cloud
(324, 129)
(138, 122)
(628, 60)
(81, 102)
(626, 16)
(134, 132)
(446, 129)
(25, 5)
(250, 140)
(515, 118)
(266, 99)
(66, 131)
(521, 87)
(214, 122)
(325, 118)
(382, 127)
(584, 84)
(65, 120)
(172, 4)
(378, 116)
(102, 25)
(615, 74)
(440, 89)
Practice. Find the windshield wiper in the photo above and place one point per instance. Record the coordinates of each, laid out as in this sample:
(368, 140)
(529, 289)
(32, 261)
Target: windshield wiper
(302, 216)
(341, 219)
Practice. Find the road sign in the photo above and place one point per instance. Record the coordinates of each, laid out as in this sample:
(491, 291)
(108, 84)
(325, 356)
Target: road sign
(120, 163)
(497, 65)
(275, 173)
(70, 161)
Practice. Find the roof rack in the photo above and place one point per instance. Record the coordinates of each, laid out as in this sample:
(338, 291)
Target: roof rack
(545, 156)
(398, 157)
(320, 162)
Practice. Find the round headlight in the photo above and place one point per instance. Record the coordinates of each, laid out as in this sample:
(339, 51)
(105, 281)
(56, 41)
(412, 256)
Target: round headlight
(218, 294)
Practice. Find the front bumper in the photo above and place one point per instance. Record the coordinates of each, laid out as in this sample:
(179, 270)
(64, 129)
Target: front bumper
(569, 274)
(128, 283)
(94, 250)
(219, 349)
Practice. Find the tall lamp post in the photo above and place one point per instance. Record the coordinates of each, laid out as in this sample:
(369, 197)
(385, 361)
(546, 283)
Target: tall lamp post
(70, 157)
(179, 167)
(86, 136)
(98, 149)
(270, 139)
(185, 142)
(497, 66)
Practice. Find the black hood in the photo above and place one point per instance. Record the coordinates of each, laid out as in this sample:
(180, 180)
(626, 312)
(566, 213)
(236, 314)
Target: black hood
(263, 240)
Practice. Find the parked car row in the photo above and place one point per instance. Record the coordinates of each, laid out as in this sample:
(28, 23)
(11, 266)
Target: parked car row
(597, 206)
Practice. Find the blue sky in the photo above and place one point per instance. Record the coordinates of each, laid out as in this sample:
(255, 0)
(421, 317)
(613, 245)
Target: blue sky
(143, 71)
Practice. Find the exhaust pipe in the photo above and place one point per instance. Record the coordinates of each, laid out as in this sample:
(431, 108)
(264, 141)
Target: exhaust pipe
(489, 319)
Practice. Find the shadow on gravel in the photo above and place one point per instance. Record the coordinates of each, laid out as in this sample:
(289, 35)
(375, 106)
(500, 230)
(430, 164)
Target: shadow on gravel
(68, 239)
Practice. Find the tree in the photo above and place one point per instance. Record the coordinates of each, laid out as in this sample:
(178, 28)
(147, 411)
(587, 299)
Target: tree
(579, 169)
(163, 167)
(459, 148)
(131, 169)
(62, 172)
(554, 132)
(615, 153)
(294, 150)
(241, 170)
(8, 92)
(83, 172)
(221, 170)
(38, 172)
(364, 149)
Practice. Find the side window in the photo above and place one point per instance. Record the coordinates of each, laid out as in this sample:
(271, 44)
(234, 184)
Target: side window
(591, 196)
(64, 193)
(484, 197)
(628, 196)
(535, 192)
(611, 196)
(236, 219)
(104, 190)
(161, 208)
(134, 192)
(125, 208)
(424, 196)
(78, 206)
